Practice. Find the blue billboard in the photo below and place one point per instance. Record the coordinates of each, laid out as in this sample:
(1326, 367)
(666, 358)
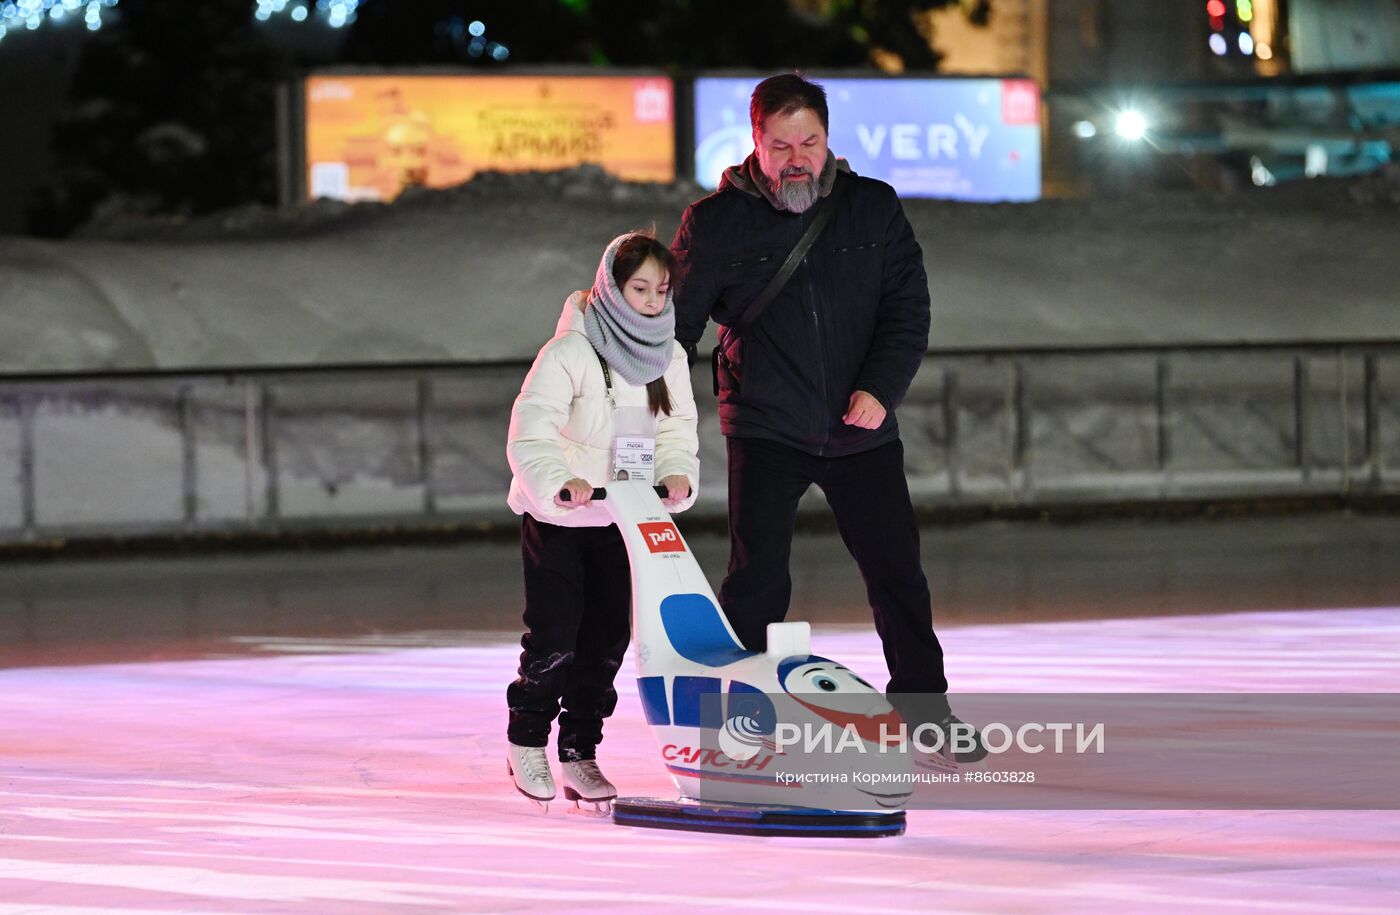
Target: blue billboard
(955, 139)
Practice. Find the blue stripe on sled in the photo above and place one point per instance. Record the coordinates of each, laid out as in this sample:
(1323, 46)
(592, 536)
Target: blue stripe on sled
(653, 693)
(692, 711)
(696, 630)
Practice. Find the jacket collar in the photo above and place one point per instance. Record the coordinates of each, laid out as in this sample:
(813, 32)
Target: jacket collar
(571, 319)
(749, 178)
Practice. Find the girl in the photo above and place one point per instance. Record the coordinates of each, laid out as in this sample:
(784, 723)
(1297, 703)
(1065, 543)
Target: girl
(610, 392)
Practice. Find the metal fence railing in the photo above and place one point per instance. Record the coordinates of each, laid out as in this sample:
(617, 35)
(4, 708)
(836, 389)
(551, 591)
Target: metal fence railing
(272, 449)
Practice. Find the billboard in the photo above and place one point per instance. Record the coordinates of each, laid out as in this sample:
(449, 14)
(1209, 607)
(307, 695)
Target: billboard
(1339, 35)
(370, 136)
(957, 139)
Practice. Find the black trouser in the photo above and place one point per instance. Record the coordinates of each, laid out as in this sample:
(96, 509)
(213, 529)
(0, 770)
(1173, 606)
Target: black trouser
(870, 498)
(578, 604)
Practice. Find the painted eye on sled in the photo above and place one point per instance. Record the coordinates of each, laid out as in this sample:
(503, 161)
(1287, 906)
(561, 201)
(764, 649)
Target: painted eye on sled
(824, 677)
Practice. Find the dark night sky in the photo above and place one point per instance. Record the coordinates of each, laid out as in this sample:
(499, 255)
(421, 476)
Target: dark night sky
(34, 71)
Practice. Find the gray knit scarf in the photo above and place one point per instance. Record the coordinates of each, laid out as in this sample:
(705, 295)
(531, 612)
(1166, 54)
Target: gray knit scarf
(635, 346)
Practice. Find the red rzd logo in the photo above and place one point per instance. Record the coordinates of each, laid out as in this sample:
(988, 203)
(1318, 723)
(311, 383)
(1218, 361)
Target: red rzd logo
(662, 537)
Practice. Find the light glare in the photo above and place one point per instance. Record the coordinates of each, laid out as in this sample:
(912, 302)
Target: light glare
(1131, 125)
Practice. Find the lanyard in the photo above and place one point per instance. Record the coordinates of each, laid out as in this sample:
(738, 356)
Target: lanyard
(607, 377)
(634, 435)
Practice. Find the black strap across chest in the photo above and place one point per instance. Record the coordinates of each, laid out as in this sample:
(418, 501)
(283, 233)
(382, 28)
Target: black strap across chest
(799, 251)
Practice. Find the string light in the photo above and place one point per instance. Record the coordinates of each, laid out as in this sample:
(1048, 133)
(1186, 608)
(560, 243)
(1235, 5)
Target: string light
(34, 14)
(334, 13)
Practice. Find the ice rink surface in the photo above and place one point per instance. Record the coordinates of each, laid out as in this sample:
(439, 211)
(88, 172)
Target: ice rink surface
(323, 732)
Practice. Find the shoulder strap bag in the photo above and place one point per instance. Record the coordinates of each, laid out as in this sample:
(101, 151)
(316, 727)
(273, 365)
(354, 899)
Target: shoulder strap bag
(780, 279)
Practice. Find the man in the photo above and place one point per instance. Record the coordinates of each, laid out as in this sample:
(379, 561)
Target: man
(807, 392)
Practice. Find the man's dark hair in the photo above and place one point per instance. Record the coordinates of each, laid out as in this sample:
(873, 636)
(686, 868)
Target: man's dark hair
(786, 94)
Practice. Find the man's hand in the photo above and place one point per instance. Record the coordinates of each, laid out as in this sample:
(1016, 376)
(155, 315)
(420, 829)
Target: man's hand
(677, 489)
(864, 411)
(580, 493)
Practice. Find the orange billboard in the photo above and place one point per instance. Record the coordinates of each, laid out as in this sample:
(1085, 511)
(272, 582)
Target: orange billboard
(368, 137)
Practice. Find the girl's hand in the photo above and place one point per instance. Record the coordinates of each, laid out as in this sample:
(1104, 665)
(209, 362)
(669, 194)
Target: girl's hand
(677, 490)
(580, 493)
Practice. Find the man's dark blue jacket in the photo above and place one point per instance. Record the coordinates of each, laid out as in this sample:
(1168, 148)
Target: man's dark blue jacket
(853, 317)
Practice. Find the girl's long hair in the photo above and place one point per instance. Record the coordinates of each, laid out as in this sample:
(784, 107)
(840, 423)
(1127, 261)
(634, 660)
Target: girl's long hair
(630, 256)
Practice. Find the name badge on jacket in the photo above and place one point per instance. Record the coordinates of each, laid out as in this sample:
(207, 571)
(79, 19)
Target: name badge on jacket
(634, 444)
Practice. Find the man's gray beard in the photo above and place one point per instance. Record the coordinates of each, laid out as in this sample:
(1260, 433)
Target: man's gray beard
(797, 196)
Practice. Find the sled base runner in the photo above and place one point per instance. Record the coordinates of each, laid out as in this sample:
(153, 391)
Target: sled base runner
(755, 820)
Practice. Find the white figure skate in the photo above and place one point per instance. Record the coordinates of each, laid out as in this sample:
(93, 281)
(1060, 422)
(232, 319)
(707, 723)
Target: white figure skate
(584, 782)
(529, 766)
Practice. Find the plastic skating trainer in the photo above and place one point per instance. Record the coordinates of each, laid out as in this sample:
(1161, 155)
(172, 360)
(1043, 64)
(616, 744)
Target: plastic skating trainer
(714, 706)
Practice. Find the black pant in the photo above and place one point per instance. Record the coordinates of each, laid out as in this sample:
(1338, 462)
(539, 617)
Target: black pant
(870, 498)
(578, 604)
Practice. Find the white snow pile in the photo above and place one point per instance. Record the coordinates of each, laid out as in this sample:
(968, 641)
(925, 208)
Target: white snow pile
(478, 272)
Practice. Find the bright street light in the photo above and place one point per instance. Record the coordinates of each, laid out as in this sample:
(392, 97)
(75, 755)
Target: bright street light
(1131, 125)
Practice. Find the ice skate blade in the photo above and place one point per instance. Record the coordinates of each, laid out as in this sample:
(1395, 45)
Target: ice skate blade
(541, 802)
(602, 806)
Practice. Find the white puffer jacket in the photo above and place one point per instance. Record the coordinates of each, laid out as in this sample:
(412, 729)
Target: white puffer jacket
(562, 426)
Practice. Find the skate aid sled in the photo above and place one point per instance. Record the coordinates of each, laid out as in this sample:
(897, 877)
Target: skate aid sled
(733, 725)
